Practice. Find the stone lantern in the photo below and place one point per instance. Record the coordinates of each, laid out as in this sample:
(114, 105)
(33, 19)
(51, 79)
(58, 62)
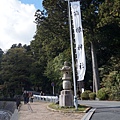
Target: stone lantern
(66, 96)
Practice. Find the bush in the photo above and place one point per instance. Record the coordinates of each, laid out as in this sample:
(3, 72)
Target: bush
(102, 94)
(85, 95)
(92, 96)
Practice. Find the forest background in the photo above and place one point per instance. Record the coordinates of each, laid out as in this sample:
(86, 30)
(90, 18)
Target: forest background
(36, 66)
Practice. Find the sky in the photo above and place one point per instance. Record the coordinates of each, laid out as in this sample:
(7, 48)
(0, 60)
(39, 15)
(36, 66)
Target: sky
(16, 22)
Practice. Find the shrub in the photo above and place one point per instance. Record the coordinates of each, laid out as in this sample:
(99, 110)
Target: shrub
(85, 95)
(102, 94)
(92, 96)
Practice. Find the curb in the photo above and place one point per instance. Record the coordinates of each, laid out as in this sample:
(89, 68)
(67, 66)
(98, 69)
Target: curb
(62, 111)
(15, 115)
(89, 114)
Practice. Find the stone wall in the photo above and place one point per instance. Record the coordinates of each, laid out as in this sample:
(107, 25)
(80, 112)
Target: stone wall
(7, 109)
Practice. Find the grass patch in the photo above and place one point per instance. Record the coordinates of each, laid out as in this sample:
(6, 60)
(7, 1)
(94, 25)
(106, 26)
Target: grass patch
(81, 108)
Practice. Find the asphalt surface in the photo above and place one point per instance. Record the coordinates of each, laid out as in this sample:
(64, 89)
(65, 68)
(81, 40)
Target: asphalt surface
(106, 113)
(104, 110)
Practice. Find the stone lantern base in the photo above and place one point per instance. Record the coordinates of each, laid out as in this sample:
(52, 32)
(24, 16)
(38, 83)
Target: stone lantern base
(66, 98)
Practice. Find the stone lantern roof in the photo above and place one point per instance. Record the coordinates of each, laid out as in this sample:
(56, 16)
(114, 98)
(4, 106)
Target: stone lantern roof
(66, 67)
(66, 71)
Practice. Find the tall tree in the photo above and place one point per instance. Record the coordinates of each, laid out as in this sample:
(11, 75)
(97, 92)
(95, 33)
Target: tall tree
(52, 35)
(109, 25)
(1, 53)
(90, 20)
(15, 70)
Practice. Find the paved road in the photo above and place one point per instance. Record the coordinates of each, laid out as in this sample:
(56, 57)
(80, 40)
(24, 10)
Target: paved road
(105, 110)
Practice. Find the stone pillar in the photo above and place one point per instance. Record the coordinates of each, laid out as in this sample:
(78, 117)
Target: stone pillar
(66, 95)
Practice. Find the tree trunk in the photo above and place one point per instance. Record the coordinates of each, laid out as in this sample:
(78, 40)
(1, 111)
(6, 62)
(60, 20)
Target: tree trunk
(94, 68)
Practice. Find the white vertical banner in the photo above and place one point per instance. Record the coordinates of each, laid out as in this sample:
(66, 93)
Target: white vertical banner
(78, 31)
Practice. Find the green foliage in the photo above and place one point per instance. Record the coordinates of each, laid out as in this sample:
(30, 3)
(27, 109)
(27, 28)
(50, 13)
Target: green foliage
(15, 70)
(40, 63)
(111, 77)
(85, 95)
(51, 40)
(109, 12)
(53, 71)
(68, 109)
(92, 96)
(102, 94)
(1, 53)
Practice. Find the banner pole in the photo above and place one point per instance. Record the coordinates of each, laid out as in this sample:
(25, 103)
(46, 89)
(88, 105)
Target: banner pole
(73, 64)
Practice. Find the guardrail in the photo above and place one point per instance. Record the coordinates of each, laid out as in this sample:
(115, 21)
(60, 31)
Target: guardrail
(46, 98)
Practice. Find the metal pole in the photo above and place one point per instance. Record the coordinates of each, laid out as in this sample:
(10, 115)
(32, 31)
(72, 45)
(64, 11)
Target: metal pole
(53, 90)
(73, 67)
